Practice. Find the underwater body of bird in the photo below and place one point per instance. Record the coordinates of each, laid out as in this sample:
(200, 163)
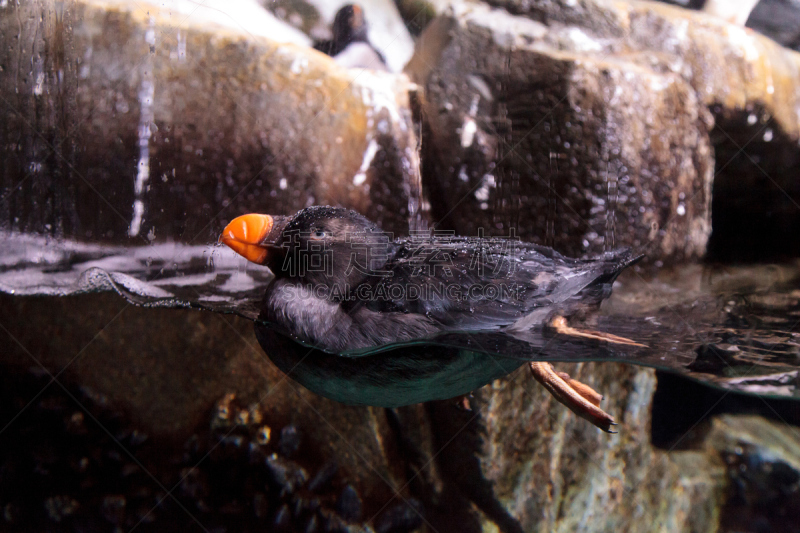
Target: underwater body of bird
(360, 317)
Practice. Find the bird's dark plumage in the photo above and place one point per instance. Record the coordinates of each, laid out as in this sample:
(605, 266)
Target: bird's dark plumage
(350, 43)
(343, 285)
(358, 316)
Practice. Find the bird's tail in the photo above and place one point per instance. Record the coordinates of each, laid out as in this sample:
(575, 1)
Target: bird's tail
(609, 266)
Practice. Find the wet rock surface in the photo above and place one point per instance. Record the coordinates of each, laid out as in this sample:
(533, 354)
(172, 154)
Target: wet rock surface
(582, 125)
(616, 150)
(757, 176)
(607, 115)
(154, 124)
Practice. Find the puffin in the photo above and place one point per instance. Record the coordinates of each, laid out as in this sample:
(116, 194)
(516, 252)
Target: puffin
(362, 317)
(350, 45)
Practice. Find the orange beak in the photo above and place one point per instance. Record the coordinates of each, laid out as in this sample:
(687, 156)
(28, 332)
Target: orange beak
(245, 234)
(358, 17)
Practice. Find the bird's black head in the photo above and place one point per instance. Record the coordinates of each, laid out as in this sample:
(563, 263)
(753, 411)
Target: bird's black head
(349, 25)
(323, 246)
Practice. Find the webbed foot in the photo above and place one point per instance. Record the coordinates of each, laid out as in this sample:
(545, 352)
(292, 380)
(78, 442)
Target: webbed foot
(580, 398)
(559, 324)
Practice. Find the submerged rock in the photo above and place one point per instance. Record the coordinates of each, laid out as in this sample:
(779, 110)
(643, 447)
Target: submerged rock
(178, 382)
(348, 505)
(518, 461)
(402, 517)
(562, 476)
(289, 441)
(763, 469)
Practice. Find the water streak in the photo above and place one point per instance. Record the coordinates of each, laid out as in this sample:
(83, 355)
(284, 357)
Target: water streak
(146, 118)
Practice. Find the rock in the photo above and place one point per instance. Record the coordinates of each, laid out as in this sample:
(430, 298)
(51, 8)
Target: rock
(283, 519)
(193, 484)
(147, 122)
(60, 507)
(348, 505)
(590, 124)
(11, 513)
(113, 508)
(610, 151)
(312, 525)
(763, 469)
(528, 464)
(289, 442)
(401, 518)
(323, 477)
(286, 475)
(172, 386)
(774, 442)
(260, 505)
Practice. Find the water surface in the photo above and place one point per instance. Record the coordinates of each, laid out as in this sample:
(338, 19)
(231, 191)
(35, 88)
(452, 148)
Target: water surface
(732, 327)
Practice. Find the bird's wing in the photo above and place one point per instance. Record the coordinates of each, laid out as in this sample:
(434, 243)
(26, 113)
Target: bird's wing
(461, 287)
